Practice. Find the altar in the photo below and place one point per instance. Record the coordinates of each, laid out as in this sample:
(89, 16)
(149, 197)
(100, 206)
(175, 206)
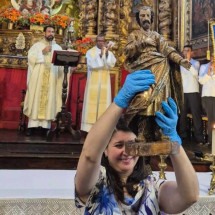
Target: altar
(52, 192)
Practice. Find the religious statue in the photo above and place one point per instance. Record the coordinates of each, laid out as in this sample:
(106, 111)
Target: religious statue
(147, 49)
(69, 36)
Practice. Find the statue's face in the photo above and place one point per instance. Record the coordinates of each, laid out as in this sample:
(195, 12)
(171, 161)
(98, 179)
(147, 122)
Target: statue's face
(145, 18)
(30, 3)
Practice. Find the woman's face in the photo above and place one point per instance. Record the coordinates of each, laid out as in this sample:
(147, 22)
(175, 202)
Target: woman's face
(117, 157)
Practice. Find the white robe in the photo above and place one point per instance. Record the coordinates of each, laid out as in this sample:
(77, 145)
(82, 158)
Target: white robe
(43, 98)
(97, 96)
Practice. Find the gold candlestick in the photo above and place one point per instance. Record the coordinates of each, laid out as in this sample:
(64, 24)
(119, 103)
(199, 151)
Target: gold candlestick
(210, 158)
(212, 184)
(162, 165)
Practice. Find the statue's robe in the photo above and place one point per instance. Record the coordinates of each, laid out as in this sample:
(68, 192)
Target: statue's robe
(154, 55)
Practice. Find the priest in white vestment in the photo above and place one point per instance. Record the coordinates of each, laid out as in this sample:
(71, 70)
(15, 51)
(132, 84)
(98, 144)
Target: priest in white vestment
(43, 98)
(97, 96)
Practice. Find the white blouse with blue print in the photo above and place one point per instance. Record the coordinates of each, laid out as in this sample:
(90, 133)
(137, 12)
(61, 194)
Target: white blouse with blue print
(102, 200)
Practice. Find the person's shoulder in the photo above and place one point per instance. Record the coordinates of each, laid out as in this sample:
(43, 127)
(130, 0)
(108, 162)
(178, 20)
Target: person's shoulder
(38, 43)
(204, 65)
(194, 61)
(58, 46)
(90, 51)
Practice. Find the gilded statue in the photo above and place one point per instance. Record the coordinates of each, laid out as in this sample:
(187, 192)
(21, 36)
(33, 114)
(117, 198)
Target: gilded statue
(147, 49)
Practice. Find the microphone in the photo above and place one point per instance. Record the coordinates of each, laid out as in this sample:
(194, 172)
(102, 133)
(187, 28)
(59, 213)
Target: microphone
(50, 44)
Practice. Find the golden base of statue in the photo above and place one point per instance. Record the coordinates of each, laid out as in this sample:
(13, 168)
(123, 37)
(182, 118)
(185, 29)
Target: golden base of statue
(163, 147)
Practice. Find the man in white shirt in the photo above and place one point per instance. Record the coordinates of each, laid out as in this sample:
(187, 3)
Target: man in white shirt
(192, 99)
(97, 96)
(207, 80)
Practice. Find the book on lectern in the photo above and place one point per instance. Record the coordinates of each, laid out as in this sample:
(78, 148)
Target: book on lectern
(69, 58)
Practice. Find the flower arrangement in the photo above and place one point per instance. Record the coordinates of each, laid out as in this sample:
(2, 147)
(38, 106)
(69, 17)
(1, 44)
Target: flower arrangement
(60, 20)
(10, 15)
(24, 21)
(40, 19)
(83, 45)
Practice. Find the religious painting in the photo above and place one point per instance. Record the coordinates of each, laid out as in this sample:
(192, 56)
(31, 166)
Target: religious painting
(27, 7)
(193, 22)
(202, 11)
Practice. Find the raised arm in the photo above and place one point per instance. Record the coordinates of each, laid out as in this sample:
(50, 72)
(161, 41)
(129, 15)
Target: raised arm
(205, 74)
(100, 134)
(175, 197)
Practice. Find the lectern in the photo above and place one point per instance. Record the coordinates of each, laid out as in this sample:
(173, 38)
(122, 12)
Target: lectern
(63, 119)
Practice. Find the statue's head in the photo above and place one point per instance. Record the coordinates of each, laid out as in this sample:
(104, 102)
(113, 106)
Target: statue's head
(145, 17)
(29, 3)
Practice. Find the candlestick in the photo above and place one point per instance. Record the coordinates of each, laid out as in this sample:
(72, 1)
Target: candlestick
(162, 165)
(212, 184)
(213, 140)
(208, 51)
(210, 158)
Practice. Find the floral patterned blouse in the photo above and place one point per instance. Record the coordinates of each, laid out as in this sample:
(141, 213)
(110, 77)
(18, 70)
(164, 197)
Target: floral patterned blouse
(102, 200)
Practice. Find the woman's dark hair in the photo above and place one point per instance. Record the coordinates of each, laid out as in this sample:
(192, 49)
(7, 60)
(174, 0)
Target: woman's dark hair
(138, 13)
(113, 179)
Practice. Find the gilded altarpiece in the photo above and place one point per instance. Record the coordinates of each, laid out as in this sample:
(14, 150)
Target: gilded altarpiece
(193, 19)
(114, 18)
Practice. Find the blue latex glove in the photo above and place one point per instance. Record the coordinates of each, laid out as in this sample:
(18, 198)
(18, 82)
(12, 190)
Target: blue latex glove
(168, 120)
(135, 82)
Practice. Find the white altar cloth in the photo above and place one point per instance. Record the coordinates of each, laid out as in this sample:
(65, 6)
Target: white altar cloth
(37, 184)
(42, 192)
(59, 183)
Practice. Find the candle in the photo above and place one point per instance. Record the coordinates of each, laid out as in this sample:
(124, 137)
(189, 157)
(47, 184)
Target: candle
(213, 140)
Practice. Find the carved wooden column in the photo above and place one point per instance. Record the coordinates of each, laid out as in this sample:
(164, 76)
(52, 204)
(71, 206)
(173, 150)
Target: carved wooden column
(91, 18)
(111, 18)
(124, 21)
(165, 18)
(82, 23)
